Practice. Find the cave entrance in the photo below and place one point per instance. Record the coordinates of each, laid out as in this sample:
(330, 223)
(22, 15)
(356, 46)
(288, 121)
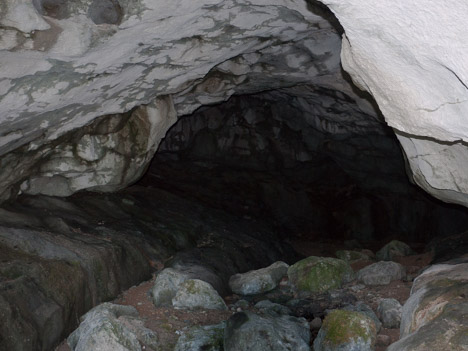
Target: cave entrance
(310, 160)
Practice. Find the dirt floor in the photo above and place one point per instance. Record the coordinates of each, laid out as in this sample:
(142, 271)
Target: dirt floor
(168, 322)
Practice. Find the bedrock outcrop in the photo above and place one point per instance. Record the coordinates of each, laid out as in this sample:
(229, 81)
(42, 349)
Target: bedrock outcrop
(411, 57)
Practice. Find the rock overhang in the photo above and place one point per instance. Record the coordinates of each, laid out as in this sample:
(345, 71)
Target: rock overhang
(193, 54)
(69, 65)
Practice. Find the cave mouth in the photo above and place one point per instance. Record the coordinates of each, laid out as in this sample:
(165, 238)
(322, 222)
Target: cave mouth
(308, 162)
(307, 159)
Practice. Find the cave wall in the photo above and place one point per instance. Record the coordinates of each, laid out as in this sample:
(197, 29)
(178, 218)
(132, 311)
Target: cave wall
(411, 56)
(65, 65)
(307, 159)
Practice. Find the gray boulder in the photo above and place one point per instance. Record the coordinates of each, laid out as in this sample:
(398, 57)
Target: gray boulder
(352, 256)
(346, 331)
(258, 281)
(197, 294)
(110, 327)
(367, 310)
(202, 338)
(271, 307)
(389, 312)
(246, 331)
(166, 286)
(392, 250)
(381, 273)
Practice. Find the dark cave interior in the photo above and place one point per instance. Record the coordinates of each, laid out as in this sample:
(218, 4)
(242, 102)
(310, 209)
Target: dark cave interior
(309, 161)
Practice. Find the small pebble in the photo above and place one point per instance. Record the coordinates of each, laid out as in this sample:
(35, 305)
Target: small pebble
(316, 323)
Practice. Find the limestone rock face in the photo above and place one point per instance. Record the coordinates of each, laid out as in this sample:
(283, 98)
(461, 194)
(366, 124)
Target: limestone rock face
(412, 58)
(64, 64)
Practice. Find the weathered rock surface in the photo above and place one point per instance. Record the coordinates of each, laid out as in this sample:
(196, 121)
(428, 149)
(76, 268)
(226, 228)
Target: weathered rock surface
(196, 294)
(389, 312)
(393, 249)
(246, 331)
(202, 338)
(346, 331)
(166, 285)
(381, 273)
(435, 316)
(61, 71)
(65, 256)
(319, 274)
(398, 63)
(367, 310)
(258, 281)
(110, 327)
(267, 306)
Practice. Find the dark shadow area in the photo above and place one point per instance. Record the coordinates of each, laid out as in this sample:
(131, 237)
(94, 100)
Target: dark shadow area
(307, 160)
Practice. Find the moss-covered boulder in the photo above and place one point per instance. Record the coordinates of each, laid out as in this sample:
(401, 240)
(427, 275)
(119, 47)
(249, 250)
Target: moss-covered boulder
(319, 274)
(346, 331)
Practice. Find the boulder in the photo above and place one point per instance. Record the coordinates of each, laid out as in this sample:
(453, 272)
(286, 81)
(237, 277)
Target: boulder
(346, 331)
(393, 249)
(381, 273)
(363, 308)
(271, 307)
(435, 317)
(352, 256)
(246, 331)
(258, 281)
(202, 338)
(389, 312)
(197, 294)
(110, 327)
(319, 274)
(166, 286)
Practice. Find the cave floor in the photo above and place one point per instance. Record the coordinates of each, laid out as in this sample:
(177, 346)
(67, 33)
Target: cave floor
(168, 323)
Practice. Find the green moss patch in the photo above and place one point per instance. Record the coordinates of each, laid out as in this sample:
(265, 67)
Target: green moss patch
(344, 326)
(319, 274)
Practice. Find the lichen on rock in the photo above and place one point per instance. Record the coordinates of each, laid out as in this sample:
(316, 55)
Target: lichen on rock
(319, 274)
(346, 331)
